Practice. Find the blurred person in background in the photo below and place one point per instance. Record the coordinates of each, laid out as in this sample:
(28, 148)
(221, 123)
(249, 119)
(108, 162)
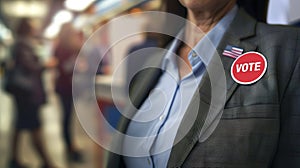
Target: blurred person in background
(102, 47)
(68, 45)
(28, 90)
(99, 48)
(150, 39)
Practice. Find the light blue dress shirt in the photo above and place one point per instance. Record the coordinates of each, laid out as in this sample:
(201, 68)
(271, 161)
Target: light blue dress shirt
(160, 115)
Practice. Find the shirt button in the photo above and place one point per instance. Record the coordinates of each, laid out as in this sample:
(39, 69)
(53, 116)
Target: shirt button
(194, 54)
(161, 117)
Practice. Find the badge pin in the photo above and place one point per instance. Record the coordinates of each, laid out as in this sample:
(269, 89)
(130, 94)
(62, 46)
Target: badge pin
(249, 68)
(232, 52)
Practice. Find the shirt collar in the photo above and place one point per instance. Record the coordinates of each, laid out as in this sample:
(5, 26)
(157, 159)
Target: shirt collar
(170, 57)
(206, 47)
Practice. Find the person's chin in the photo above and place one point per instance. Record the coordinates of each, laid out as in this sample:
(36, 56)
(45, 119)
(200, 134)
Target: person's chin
(193, 4)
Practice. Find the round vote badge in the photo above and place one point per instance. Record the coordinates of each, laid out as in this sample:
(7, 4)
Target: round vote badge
(248, 68)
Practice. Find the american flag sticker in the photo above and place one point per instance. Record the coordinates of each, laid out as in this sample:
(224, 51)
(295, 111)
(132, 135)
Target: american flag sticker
(233, 52)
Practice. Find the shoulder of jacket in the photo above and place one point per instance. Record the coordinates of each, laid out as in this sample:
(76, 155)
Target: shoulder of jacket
(277, 30)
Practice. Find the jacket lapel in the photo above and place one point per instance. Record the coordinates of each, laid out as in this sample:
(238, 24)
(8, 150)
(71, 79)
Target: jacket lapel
(197, 113)
(148, 79)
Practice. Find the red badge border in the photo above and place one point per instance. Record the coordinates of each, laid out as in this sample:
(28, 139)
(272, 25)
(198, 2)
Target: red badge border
(260, 76)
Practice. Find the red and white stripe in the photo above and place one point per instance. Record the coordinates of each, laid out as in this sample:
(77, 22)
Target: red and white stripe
(237, 50)
(233, 53)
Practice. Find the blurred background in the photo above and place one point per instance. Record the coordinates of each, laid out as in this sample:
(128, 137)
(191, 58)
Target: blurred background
(84, 17)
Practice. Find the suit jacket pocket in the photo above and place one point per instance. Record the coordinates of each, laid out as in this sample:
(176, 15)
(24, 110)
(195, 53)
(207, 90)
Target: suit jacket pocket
(253, 111)
(245, 137)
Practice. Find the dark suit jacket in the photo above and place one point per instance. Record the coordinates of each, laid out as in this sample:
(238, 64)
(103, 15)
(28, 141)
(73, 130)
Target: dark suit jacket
(260, 123)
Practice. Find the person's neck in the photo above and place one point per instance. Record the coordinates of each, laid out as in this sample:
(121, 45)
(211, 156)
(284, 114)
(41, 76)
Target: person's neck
(205, 20)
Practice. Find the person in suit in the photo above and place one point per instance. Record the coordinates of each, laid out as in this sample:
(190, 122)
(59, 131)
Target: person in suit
(255, 125)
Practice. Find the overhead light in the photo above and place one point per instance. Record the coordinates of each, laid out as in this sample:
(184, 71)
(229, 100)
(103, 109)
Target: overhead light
(25, 8)
(78, 5)
(106, 4)
(63, 16)
(52, 30)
